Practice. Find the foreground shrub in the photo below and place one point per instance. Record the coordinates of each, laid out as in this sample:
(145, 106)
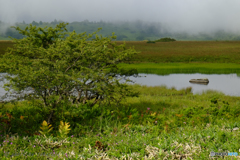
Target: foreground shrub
(55, 67)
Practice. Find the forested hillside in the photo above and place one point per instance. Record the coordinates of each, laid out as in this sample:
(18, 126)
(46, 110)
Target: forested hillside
(125, 31)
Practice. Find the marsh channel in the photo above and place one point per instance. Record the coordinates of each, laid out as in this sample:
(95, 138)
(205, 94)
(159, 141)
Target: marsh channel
(229, 84)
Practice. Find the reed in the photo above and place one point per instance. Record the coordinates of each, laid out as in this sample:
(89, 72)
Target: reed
(186, 51)
(168, 68)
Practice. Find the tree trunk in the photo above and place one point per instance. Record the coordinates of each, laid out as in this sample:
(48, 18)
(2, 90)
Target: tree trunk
(50, 117)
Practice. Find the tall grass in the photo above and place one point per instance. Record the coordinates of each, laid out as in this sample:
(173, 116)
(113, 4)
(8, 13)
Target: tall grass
(167, 68)
(187, 51)
(161, 123)
(180, 51)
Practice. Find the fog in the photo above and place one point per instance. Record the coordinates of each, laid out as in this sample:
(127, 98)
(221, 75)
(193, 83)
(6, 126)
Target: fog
(192, 16)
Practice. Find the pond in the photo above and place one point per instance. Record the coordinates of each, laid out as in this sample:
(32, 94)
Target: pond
(228, 84)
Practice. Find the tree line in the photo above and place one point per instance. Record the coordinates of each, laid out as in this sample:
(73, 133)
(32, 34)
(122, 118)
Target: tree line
(125, 31)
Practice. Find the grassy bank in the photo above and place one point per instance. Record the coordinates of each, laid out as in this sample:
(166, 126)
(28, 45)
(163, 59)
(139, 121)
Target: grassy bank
(160, 123)
(168, 68)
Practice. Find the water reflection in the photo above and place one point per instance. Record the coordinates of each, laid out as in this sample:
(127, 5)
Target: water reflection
(229, 84)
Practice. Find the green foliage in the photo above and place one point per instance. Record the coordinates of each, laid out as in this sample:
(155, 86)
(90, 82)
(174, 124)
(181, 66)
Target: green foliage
(59, 67)
(63, 129)
(166, 39)
(165, 120)
(45, 129)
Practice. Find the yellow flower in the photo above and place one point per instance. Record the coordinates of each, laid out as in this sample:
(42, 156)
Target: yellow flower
(153, 114)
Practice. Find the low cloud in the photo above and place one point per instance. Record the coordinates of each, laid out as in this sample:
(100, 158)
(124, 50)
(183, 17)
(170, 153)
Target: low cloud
(192, 16)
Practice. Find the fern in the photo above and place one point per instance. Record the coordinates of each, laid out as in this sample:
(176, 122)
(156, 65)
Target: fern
(46, 128)
(63, 129)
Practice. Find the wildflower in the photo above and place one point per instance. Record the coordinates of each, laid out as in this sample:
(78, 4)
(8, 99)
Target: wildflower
(142, 134)
(148, 108)
(72, 136)
(73, 143)
(66, 155)
(208, 136)
(116, 143)
(11, 142)
(155, 122)
(122, 140)
(34, 146)
(184, 122)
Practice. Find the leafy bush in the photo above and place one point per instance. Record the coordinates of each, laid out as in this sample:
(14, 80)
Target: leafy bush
(57, 66)
(165, 40)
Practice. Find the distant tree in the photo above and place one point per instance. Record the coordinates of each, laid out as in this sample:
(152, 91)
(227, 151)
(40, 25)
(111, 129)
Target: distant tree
(140, 38)
(34, 23)
(54, 22)
(59, 69)
(24, 22)
(166, 39)
(71, 28)
(40, 22)
(152, 30)
(121, 37)
(13, 33)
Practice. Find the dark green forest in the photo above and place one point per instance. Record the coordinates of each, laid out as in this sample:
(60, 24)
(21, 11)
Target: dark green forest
(125, 31)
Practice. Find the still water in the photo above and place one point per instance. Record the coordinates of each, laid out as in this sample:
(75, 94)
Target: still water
(228, 84)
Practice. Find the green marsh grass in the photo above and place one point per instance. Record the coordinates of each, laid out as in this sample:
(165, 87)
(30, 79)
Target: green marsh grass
(186, 51)
(159, 123)
(179, 57)
(168, 68)
(179, 51)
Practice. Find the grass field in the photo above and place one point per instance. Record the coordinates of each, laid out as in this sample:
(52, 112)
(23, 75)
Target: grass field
(179, 51)
(179, 57)
(187, 51)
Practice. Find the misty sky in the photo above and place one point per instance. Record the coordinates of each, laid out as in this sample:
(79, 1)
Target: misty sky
(180, 15)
